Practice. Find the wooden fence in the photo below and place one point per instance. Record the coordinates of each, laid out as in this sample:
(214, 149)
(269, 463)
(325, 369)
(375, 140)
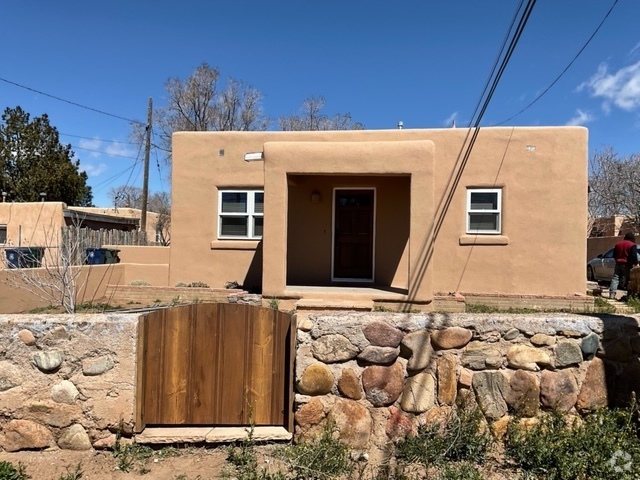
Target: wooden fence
(74, 241)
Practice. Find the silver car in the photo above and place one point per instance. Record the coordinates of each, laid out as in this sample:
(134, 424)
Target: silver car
(600, 269)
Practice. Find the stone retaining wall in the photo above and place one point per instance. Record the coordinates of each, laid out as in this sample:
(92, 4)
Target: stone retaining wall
(66, 380)
(69, 380)
(378, 376)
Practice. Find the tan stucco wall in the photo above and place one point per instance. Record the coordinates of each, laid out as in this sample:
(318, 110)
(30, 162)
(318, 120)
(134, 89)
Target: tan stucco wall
(91, 283)
(32, 224)
(542, 172)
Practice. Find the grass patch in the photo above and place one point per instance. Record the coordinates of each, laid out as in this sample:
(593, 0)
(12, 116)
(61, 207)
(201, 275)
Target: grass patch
(8, 471)
(600, 305)
(463, 437)
(322, 458)
(75, 474)
(132, 456)
(603, 445)
(90, 307)
(634, 303)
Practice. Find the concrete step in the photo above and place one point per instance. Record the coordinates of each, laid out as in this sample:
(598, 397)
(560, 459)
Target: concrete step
(164, 435)
(319, 304)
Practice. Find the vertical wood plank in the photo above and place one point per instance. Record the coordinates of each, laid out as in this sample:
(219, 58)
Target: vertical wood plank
(176, 365)
(153, 376)
(139, 419)
(260, 377)
(290, 355)
(203, 372)
(232, 361)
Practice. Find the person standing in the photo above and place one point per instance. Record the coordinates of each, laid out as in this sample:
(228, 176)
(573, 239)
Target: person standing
(625, 253)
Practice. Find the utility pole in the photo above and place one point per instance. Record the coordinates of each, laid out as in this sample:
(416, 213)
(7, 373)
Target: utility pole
(145, 178)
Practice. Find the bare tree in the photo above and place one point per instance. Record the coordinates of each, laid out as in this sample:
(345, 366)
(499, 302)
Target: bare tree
(200, 103)
(128, 196)
(160, 203)
(125, 196)
(311, 118)
(614, 185)
(59, 278)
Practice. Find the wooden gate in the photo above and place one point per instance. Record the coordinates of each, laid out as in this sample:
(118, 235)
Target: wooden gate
(215, 364)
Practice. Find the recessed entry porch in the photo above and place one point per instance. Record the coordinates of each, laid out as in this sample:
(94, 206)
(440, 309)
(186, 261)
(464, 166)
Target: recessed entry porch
(372, 238)
(348, 231)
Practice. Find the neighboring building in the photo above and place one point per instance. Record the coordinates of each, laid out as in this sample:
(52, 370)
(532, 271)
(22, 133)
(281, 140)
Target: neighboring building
(40, 224)
(371, 214)
(126, 212)
(35, 223)
(612, 226)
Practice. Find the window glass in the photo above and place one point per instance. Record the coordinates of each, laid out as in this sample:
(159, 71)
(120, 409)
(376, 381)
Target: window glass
(234, 202)
(3, 234)
(484, 211)
(484, 200)
(240, 214)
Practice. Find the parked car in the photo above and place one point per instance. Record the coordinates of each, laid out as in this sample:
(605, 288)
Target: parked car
(600, 269)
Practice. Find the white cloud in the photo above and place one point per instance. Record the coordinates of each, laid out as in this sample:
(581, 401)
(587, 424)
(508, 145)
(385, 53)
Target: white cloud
(93, 170)
(118, 149)
(450, 120)
(621, 88)
(634, 50)
(96, 147)
(93, 144)
(580, 118)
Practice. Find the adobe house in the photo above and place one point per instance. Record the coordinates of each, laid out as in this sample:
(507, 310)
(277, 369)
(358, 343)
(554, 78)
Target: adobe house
(383, 216)
(39, 223)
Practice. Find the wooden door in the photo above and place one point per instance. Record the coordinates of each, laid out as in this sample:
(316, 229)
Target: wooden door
(353, 235)
(215, 364)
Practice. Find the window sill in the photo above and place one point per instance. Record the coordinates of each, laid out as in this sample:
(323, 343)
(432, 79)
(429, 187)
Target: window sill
(484, 240)
(234, 244)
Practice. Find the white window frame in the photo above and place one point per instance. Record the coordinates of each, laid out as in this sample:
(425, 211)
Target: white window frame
(251, 214)
(497, 211)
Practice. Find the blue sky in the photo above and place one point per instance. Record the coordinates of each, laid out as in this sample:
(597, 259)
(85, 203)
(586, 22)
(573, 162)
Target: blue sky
(422, 62)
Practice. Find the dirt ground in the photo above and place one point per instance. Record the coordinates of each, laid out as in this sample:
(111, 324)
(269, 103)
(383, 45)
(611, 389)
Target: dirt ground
(192, 463)
(188, 464)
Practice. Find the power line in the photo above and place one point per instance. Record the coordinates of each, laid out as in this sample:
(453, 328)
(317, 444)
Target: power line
(566, 68)
(426, 252)
(97, 139)
(102, 112)
(102, 152)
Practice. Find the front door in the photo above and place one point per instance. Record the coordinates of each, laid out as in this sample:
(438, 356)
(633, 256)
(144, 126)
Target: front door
(353, 235)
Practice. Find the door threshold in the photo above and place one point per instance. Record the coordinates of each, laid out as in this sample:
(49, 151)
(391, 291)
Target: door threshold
(164, 435)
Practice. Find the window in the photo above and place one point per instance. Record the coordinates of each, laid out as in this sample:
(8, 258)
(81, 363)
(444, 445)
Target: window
(3, 234)
(240, 213)
(484, 207)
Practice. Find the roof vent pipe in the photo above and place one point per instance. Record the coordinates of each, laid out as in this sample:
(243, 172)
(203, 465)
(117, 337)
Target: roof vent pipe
(400, 125)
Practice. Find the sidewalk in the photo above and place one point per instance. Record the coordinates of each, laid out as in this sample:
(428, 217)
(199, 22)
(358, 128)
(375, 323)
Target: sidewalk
(597, 290)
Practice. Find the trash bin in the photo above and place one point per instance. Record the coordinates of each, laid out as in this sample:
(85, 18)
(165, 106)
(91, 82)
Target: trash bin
(24, 257)
(111, 255)
(100, 256)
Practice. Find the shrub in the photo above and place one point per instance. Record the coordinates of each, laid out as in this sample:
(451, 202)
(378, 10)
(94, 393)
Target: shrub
(322, 458)
(463, 437)
(10, 472)
(604, 445)
(192, 285)
(139, 283)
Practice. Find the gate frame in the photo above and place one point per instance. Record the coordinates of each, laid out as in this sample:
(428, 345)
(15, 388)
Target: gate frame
(140, 372)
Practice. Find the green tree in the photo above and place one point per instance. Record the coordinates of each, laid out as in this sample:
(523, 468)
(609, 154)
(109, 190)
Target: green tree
(32, 160)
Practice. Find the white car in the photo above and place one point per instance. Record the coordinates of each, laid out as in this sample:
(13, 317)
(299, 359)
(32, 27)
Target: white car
(600, 269)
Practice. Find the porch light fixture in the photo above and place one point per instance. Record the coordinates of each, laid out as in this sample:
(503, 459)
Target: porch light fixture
(253, 157)
(315, 197)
